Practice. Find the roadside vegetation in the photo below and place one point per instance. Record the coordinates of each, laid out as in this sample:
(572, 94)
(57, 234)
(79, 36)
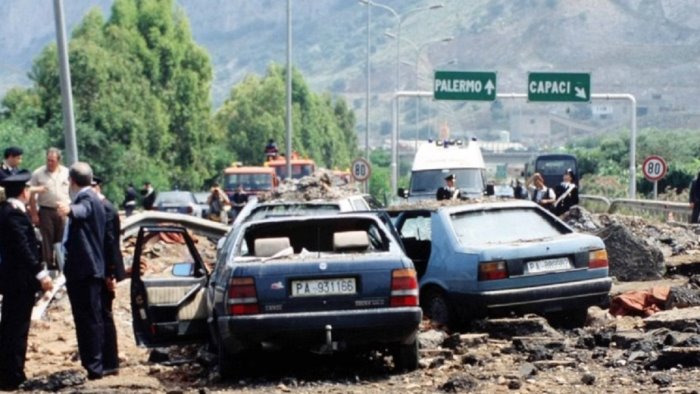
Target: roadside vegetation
(142, 101)
(604, 162)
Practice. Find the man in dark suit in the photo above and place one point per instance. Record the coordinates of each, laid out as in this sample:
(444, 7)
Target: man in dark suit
(449, 191)
(12, 159)
(114, 272)
(149, 196)
(85, 266)
(21, 276)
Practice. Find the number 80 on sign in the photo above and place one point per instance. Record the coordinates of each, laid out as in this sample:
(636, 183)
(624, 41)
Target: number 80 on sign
(654, 168)
(361, 169)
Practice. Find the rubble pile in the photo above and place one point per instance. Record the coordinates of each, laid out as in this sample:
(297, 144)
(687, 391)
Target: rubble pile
(638, 249)
(322, 185)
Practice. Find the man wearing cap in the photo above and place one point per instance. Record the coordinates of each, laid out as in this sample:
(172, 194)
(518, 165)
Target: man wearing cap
(566, 192)
(114, 272)
(12, 160)
(21, 276)
(85, 266)
(449, 191)
(10, 165)
(51, 183)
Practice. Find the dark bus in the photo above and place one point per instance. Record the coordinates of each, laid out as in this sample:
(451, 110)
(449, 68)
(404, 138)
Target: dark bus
(552, 167)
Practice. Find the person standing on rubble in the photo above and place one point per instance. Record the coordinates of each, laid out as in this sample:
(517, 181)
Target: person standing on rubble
(694, 199)
(85, 266)
(21, 275)
(114, 272)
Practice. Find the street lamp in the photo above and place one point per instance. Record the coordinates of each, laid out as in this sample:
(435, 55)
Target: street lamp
(395, 132)
(418, 52)
(430, 113)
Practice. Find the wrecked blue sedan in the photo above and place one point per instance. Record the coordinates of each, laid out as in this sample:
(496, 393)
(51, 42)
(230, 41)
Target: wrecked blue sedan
(500, 257)
(321, 283)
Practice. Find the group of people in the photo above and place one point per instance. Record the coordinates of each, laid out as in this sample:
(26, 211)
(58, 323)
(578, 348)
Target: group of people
(556, 200)
(221, 207)
(80, 238)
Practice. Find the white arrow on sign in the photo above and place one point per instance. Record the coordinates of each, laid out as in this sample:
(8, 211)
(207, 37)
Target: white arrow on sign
(489, 87)
(581, 92)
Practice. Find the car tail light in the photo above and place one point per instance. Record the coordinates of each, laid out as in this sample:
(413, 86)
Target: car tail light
(493, 270)
(242, 296)
(190, 209)
(404, 288)
(598, 259)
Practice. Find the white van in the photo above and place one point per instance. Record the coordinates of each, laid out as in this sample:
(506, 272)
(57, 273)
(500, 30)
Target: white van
(436, 159)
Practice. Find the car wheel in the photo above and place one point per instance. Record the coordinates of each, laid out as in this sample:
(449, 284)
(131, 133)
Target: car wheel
(227, 365)
(406, 356)
(437, 308)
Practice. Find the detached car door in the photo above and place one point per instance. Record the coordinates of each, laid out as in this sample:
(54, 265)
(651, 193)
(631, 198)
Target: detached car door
(168, 288)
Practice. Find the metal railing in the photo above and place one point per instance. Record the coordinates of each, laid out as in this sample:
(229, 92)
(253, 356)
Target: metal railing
(661, 210)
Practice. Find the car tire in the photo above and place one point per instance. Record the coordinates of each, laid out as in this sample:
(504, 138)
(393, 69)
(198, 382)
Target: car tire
(406, 357)
(437, 308)
(226, 361)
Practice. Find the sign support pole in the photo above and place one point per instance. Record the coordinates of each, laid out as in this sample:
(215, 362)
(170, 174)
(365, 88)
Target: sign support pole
(632, 191)
(656, 190)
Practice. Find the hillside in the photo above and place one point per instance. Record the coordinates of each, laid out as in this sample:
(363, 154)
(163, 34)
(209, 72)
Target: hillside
(645, 47)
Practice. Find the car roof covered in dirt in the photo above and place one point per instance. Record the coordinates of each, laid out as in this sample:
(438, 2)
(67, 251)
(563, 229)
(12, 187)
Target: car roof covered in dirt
(462, 205)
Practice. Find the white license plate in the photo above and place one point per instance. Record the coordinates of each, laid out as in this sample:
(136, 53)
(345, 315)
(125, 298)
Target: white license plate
(558, 264)
(172, 210)
(322, 287)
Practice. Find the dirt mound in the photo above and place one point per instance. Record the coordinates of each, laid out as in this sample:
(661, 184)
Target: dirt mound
(322, 185)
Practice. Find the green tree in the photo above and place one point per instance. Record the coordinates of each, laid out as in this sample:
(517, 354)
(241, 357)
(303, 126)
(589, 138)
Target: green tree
(324, 127)
(141, 91)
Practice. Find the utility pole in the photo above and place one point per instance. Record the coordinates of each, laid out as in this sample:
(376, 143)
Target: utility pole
(66, 93)
(289, 90)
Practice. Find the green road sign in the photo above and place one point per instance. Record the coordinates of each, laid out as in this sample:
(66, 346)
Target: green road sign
(464, 85)
(559, 87)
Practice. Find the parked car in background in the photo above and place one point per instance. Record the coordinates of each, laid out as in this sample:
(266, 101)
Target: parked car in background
(322, 283)
(499, 257)
(178, 201)
(202, 198)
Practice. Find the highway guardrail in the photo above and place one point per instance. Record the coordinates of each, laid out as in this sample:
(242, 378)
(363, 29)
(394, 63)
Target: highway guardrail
(663, 210)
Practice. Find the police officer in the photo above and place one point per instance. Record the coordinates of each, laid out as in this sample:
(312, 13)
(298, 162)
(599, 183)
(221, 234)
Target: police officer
(11, 161)
(449, 191)
(21, 276)
(114, 272)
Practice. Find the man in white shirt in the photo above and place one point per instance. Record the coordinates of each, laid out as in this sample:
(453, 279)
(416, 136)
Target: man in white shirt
(51, 183)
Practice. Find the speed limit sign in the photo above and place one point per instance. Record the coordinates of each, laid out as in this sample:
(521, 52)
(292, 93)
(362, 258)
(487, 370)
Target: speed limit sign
(361, 169)
(654, 168)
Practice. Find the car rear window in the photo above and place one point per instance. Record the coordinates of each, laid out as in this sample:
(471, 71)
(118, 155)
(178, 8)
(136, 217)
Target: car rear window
(504, 225)
(321, 235)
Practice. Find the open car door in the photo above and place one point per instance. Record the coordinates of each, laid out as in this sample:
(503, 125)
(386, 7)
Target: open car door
(168, 288)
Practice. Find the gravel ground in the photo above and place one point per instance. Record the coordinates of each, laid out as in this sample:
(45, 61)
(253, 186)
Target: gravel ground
(527, 355)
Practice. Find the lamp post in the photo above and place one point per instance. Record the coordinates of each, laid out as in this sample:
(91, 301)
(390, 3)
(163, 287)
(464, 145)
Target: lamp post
(66, 93)
(430, 115)
(418, 53)
(395, 102)
(288, 119)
